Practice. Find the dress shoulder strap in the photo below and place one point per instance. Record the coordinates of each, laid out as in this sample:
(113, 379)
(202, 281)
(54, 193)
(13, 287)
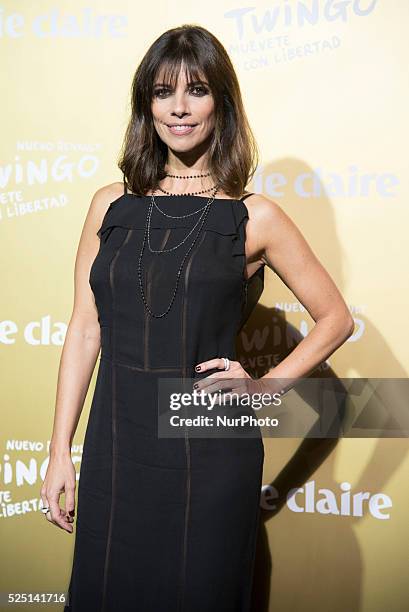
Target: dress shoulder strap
(125, 186)
(246, 196)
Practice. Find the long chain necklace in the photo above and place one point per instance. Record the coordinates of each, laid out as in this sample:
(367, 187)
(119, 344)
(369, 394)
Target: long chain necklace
(202, 219)
(186, 193)
(182, 241)
(178, 216)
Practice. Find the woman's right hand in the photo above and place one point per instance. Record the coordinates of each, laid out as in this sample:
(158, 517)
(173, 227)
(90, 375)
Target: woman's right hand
(60, 478)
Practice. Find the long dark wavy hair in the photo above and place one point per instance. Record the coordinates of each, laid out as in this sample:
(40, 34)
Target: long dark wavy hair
(233, 152)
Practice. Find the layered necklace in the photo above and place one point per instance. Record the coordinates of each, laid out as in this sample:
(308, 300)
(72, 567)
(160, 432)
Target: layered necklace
(147, 237)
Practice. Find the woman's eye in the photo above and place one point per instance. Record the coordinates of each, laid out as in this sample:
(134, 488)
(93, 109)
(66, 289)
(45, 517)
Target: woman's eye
(158, 92)
(162, 91)
(202, 90)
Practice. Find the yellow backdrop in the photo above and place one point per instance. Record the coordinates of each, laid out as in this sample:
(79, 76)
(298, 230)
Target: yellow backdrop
(326, 90)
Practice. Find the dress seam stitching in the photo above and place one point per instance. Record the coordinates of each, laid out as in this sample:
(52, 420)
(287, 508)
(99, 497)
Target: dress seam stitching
(113, 429)
(187, 443)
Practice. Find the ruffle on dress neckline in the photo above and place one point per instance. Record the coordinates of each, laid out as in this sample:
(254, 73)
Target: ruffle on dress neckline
(224, 217)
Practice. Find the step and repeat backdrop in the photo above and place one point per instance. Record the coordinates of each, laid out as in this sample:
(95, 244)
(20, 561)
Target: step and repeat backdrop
(326, 91)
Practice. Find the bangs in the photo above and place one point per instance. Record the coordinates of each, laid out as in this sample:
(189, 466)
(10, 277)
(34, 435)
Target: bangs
(168, 71)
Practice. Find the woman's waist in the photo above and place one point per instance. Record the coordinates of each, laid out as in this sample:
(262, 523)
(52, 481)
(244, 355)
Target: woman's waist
(148, 349)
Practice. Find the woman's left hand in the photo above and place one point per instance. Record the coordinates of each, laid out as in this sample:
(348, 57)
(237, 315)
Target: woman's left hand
(234, 380)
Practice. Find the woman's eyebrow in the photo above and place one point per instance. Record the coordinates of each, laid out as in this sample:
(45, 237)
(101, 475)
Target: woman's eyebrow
(198, 83)
(189, 83)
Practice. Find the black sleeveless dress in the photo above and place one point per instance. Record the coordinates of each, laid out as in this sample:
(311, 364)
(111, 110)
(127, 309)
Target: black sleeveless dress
(165, 524)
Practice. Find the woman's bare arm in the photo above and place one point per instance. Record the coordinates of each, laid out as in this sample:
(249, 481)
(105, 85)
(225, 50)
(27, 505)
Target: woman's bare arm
(278, 243)
(82, 341)
(81, 347)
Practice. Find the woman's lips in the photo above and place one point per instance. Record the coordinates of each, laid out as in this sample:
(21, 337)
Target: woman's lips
(182, 130)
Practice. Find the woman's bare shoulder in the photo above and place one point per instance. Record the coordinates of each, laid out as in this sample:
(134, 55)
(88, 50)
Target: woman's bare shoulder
(100, 202)
(262, 208)
(102, 199)
(269, 224)
(105, 195)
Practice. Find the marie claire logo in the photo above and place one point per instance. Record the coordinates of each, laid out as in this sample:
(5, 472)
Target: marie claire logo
(55, 23)
(42, 332)
(351, 183)
(308, 499)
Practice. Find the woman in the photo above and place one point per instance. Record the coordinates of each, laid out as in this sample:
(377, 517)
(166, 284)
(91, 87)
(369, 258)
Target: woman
(169, 256)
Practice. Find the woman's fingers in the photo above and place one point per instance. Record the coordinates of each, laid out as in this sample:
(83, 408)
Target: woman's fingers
(70, 503)
(211, 382)
(60, 478)
(44, 498)
(215, 385)
(45, 504)
(217, 362)
(58, 514)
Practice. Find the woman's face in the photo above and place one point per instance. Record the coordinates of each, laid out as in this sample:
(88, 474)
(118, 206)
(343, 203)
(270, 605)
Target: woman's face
(190, 106)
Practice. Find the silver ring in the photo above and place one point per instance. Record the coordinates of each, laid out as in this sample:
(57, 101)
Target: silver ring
(226, 363)
(45, 510)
